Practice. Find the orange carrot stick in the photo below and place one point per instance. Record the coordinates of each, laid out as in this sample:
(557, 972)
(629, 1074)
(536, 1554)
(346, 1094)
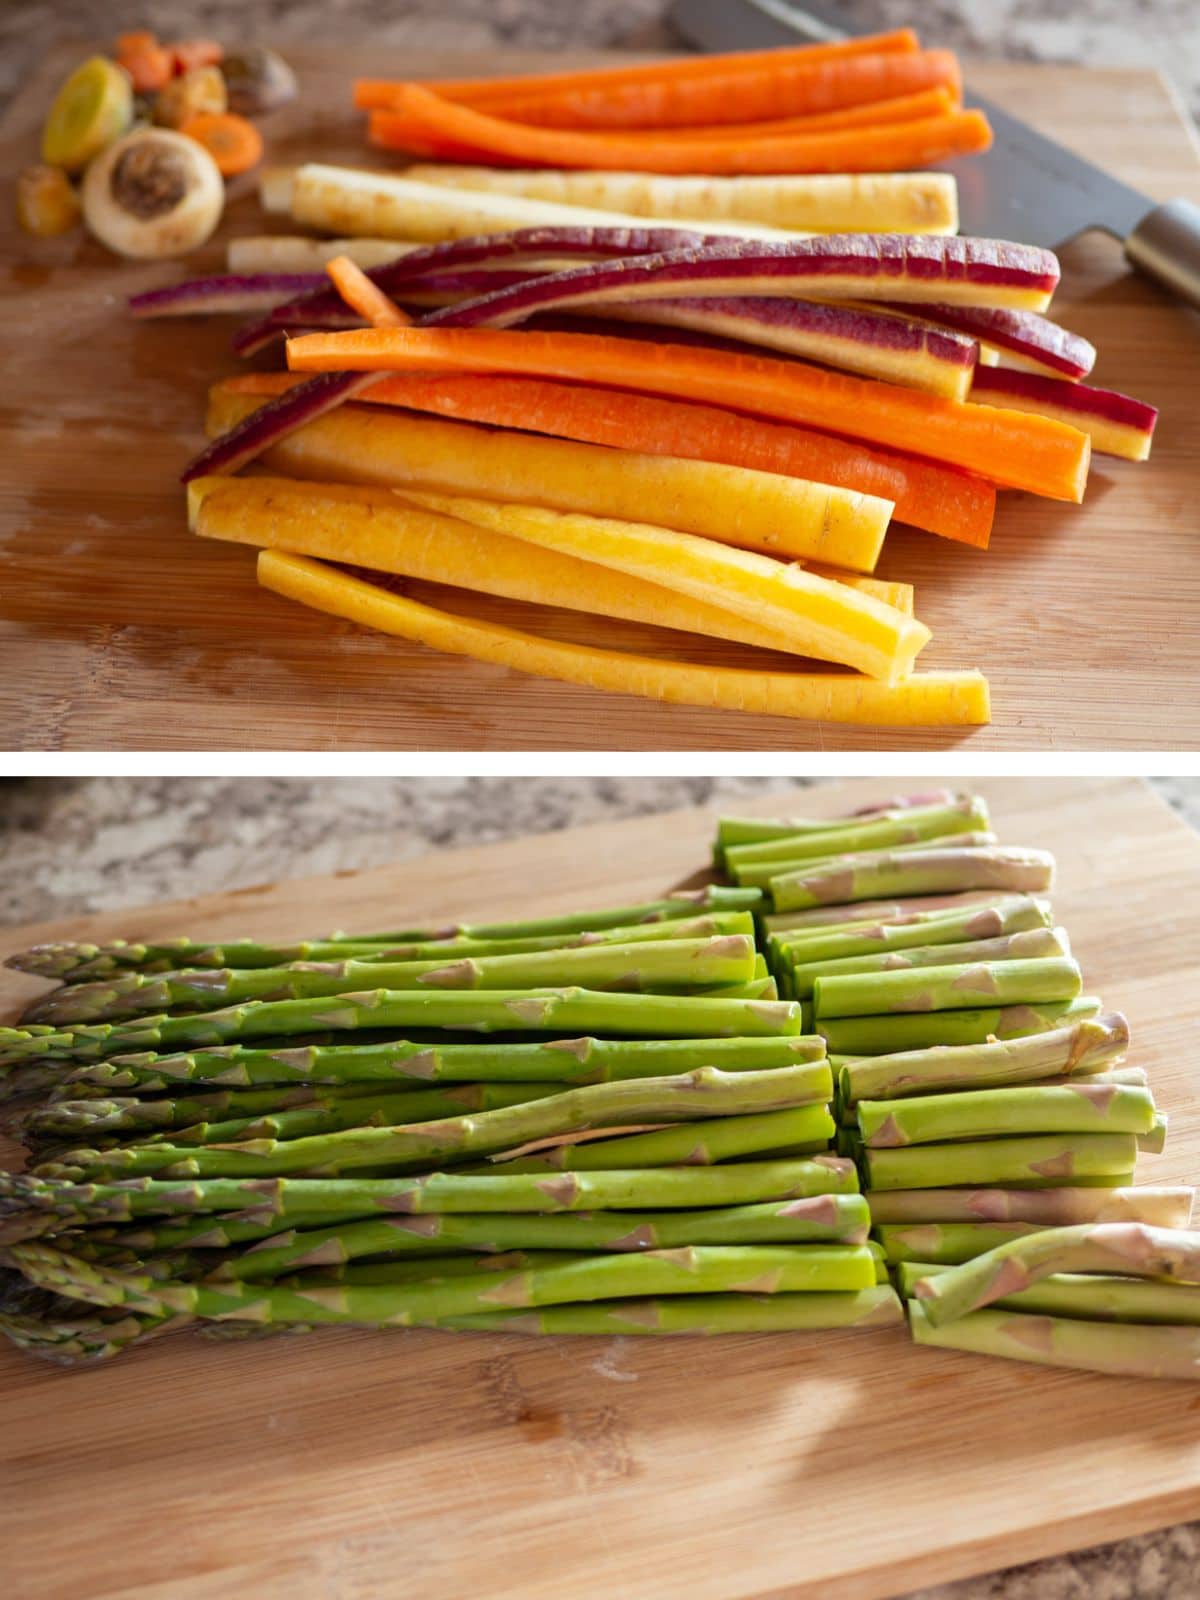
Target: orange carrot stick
(735, 97)
(904, 108)
(365, 297)
(938, 499)
(1016, 449)
(426, 123)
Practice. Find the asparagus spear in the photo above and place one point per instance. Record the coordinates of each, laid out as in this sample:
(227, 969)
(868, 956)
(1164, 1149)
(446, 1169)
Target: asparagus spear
(748, 830)
(78, 963)
(1033, 944)
(1080, 1049)
(1139, 1350)
(883, 831)
(403, 1063)
(1154, 1138)
(949, 988)
(649, 966)
(683, 903)
(1165, 1207)
(744, 1269)
(947, 1243)
(704, 1092)
(842, 918)
(1064, 1159)
(699, 1314)
(876, 1036)
(915, 872)
(1094, 1297)
(778, 1222)
(1081, 1107)
(1011, 913)
(1134, 1249)
(761, 874)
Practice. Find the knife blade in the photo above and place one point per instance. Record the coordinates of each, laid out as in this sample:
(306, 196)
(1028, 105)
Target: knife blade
(1026, 187)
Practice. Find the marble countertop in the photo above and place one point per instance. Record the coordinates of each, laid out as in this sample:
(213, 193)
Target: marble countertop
(1129, 33)
(93, 844)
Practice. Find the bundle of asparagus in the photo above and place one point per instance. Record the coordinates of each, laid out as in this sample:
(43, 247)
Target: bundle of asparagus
(207, 1146)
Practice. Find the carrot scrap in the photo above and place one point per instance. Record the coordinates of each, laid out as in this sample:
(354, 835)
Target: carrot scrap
(428, 125)
(188, 54)
(233, 142)
(149, 65)
(1017, 450)
(363, 296)
(938, 499)
(130, 44)
(941, 699)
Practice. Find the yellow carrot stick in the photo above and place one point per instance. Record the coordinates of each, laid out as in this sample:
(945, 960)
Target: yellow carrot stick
(945, 699)
(835, 623)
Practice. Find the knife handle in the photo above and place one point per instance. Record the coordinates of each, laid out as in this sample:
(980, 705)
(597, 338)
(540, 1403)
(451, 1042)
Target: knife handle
(1165, 245)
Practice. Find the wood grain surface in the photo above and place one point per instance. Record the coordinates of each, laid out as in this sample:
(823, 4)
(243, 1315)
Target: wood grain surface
(119, 631)
(355, 1465)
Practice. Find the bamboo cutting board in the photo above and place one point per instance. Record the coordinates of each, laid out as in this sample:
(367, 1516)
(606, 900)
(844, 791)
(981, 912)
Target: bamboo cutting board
(118, 630)
(354, 1465)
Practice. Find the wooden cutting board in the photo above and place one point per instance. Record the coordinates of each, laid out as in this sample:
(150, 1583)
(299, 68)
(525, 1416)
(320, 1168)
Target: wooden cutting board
(118, 630)
(354, 1465)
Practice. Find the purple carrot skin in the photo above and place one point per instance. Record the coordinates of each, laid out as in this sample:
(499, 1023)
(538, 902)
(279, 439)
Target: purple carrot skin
(846, 265)
(275, 420)
(226, 292)
(1119, 424)
(1025, 333)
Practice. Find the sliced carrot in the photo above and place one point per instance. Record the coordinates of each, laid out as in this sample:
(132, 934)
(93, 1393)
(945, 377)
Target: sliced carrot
(151, 68)
(363, 296)
(938, 499)
(479, 91)
(905, 108)
(1016, 449)
(131, 44)
(233, 142)
(187, 54)
(936, 699)
(775, 90)
(427, 125)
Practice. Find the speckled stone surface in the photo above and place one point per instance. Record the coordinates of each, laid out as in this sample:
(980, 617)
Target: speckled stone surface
(92, 844)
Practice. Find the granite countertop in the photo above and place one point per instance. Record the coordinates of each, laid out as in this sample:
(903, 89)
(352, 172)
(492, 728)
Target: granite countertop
(93, 844)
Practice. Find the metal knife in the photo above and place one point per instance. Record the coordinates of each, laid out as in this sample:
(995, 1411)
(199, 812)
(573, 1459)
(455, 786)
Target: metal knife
(1025, 187)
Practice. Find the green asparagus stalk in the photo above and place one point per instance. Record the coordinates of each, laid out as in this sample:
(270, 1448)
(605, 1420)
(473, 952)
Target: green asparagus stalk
(1139, 1350)
(884, 1035)
(760, 874)
(778, 1222)
(914, 872)
(1057, 1159)
(1154, 1138)
(80, 963)
(1014, 913)
(1094, 1297)
(403, 1063)
(949, 988)
(1133, 1249)
(1080, 1107)
(947, 1243)
(683, 903)
(883, 831)
(844, 918)
(733, 831)
(1032, 944)
(646, 967)
(705, 1092)
(744, 1269)
(1052, 1208)
(699, 1314)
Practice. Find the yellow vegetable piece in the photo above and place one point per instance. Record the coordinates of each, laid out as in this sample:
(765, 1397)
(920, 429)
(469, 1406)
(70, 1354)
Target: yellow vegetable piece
(787, 517)
(945, 699)
(91, 110)
(47, 204)
(827, 620)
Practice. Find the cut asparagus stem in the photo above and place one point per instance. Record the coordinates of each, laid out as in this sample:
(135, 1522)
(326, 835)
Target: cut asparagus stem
(915, 872)
(1134, 1249)
(1093, 1297)
(1056, 1159)
(1165, 1207)
(77, 963)
(875, 1036)
(1140, 1350)
(922, 908)
(761, 874)
(485, 1011)
(1081, 1107)
(1154, 1139)
(1013, 913)
(1033, 944)
(947, 1243)
(700, 1314)
(752, 830)
(1079, 1049)
(948, 988)
(573, 1061)
(881, 832)
(704, 1092)
(745, 1269)
(786, 1221)
(646, 966)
